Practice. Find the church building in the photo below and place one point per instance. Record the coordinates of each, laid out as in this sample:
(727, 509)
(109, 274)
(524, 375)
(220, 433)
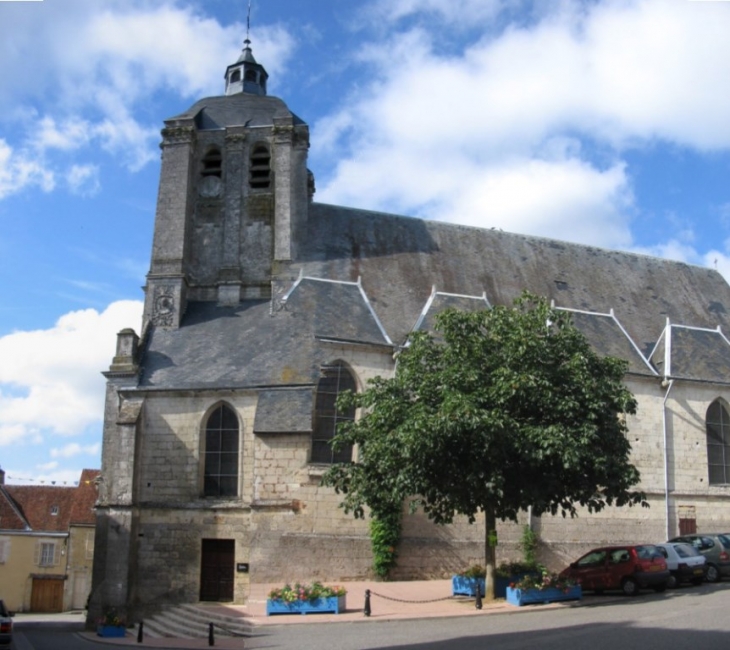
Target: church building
(261, 305)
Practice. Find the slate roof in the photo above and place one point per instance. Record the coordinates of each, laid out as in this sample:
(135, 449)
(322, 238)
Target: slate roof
(241, 109)
(694, 353)
(371, 278)
(401, 259)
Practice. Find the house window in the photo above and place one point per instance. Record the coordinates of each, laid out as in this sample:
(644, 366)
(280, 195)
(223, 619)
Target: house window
(54, 510)
(718, 444)
(236, 76)
(212, 163)
(334, 380)
(46, 554)
(4, 549)
(260, 169)
(221, 453)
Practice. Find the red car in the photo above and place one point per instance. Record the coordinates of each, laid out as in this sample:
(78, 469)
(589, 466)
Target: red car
(628, 568)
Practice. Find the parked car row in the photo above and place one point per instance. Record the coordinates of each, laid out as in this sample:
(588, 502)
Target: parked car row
(687, 558)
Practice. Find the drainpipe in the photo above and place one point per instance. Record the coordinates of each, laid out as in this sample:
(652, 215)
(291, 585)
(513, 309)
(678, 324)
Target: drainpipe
(668, 385)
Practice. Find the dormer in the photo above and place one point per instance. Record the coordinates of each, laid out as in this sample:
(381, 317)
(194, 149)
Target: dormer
(245, 75)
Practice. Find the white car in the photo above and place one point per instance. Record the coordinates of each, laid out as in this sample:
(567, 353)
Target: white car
(6, 625)
(685, 563)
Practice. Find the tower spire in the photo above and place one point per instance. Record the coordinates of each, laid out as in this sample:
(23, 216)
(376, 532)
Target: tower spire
(246, 75)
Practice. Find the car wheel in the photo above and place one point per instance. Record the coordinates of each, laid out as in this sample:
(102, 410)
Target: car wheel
(629, 587)
(672, 581)
(712, 575)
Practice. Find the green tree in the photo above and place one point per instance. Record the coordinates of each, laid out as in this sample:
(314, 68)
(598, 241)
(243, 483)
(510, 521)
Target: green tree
(499, 410)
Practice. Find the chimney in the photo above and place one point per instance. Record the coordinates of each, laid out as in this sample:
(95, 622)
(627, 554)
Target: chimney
(2, 476)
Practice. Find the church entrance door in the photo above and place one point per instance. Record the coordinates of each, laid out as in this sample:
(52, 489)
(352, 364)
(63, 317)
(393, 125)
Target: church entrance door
(216, 570)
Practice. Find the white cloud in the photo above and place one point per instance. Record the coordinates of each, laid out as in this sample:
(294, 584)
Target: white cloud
(75, 449)
(18, 171)
(463, 12)
(83, 180)
(492, 136)
(100, 67)
(50, 380)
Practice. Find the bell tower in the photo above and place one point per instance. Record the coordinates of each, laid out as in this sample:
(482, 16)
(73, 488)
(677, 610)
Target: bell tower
(233, 197)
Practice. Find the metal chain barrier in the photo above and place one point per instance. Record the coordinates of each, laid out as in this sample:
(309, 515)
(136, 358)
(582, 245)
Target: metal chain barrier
(368, 593)
(415, 602)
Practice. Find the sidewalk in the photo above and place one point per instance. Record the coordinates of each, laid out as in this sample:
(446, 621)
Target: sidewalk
(388, 601)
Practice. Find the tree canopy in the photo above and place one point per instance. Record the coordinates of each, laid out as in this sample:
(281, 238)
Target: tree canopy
(497, 411)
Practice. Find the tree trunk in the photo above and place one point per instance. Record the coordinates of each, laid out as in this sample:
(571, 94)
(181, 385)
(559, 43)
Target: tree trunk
(490, 552)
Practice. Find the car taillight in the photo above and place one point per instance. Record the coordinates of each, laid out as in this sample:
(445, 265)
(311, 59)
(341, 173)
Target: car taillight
(724, 557)
(5, 627)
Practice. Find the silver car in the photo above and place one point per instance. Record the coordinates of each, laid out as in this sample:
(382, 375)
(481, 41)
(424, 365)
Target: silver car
(685, 563)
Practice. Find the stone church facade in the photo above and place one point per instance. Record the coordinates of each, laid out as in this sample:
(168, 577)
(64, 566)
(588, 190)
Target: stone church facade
(262, 304)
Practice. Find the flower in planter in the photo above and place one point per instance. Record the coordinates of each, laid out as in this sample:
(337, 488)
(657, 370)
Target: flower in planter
(112, 619)
(291, 594)
(509, 569)
(476, 571)
(545, 580)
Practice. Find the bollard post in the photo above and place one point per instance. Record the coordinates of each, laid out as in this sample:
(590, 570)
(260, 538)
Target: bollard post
(211, 636)
(140, 632)
(366, 611)
(478, 603)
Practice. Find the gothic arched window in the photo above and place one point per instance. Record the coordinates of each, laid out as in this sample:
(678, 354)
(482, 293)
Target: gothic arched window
(334, 380)
(260, 168)
(718, 444)
(221, 453)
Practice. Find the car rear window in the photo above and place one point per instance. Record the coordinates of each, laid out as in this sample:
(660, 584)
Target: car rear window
(647, 552)
(685, 550)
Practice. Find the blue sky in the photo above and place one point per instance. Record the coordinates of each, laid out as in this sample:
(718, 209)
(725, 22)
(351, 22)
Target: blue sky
(603, 122)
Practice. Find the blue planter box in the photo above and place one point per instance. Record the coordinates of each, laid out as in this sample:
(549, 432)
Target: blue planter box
(110, 630)
(333, 605)
(461, 586)
(521, 597)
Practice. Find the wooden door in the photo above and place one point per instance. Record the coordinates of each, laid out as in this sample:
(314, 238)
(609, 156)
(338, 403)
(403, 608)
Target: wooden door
(216, 570)
(46, 595)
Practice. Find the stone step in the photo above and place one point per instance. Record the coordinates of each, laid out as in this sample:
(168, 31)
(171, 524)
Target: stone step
(192, 622)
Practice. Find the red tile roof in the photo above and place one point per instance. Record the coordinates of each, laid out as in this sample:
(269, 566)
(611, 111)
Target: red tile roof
(48, 508)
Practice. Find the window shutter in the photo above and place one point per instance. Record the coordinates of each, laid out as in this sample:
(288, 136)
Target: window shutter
(37, 559)
(4, 550)
(56, 554)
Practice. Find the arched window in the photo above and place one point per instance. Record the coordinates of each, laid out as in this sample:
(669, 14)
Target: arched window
(718, 444)
(260, 168)
(251, 75)
(334, 380)
(236, 76)
(212, 163)
(221, 453)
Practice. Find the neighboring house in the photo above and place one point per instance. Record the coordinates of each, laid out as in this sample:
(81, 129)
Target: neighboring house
(261, 305)
(47, 544)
